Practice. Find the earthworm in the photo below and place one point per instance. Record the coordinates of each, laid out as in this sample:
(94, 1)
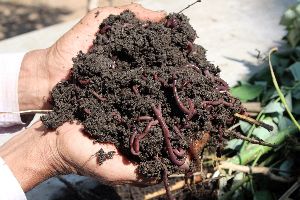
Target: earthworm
(189, 112)
(167, 136)
(135, 90)
(135, 138)
(84, 81)
(87, 111)
(215, 103)
(161, 80)
(144, 118)
(189, 47)
(99, 97)
(194, 67)
(179, 152)
(171, 23)
(131, 141)
(166, 183)
(105, 28)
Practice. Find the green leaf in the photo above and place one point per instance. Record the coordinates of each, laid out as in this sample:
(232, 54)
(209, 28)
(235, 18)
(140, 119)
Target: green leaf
(295, 69)
(263, 195)
(296, 92)
(245, 126)
(246, 92)
(274, 107)
(288, 17)
(284, 122)
(288, 99)
(234, 144)
(293, 37)
(296, 108)
(263, 133)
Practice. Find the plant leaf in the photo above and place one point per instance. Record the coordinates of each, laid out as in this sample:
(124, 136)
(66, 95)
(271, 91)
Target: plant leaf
(234, 144)
(274, 107)
(296, 107)
(263, 133)
(284, 122)
(245, 126)
(246, 92)
(295, 69)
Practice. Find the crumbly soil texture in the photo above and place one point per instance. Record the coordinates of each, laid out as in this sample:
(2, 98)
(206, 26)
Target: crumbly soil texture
(148, 89)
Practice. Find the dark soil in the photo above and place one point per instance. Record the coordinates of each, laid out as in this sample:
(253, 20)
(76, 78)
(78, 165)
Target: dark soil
(148, 89)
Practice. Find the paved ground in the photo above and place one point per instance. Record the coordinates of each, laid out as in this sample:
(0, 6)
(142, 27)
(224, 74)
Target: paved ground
(232, 32)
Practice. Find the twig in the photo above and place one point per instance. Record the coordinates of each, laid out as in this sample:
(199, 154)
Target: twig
(178, 185)
(294, 187)
(251, 140)
(198, 1)
(282, 98)
(27, 112)
(253, 121)
(183, 175)
(255, 170)
(249, 153)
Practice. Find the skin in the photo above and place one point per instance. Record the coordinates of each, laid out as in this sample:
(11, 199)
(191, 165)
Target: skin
(36, 154)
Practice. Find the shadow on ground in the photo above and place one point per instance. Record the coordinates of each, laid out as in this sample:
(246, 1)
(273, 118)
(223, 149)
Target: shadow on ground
(16, 18)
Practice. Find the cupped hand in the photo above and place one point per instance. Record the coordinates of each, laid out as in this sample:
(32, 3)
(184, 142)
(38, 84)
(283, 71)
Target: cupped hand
(53, 64)
(77, 153)
(81, 36)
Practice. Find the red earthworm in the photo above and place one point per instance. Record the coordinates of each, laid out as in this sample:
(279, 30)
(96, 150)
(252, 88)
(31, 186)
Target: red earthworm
(135, 139)
(179, 152)
(84, 81)
(215, 103)
(189, 112)
(98, 96)
(171, 23)
(144, 118)
(167, 136)
(131, 141)
(189, 46)
(194, 67)
(136, 90)
(105, 28)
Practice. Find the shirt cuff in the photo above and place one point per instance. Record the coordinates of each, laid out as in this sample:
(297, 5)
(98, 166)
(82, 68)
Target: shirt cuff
(10, 189)
(9, 102)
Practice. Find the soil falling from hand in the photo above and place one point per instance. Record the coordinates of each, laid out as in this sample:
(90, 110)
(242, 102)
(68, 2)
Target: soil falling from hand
(148, 89)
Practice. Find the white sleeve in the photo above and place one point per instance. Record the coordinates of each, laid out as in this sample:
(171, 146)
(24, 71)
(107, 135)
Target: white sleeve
(10, 188)
(9, 75)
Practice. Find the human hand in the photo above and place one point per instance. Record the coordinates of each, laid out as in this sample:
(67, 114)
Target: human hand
(37, 154)
(52, 65)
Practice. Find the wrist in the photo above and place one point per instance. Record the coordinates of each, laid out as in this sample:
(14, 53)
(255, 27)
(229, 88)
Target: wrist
(32, 156)
(33, 85)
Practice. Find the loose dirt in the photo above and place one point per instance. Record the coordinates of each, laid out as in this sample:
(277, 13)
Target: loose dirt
(148, 89)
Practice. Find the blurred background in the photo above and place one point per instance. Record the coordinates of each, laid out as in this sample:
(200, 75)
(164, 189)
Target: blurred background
(21, 16)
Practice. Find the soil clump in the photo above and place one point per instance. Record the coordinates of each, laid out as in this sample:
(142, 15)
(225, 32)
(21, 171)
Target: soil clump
(149, 90)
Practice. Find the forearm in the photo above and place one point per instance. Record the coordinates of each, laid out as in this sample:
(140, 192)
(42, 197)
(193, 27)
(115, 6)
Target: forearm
(33, 86)
(30, 156)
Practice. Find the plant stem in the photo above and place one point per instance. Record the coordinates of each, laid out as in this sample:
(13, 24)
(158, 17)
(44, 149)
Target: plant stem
(282, 98)
(250, 131)
(253, 149)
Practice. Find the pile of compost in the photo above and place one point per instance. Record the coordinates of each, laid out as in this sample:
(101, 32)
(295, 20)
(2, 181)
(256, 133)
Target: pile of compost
(149, 90)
